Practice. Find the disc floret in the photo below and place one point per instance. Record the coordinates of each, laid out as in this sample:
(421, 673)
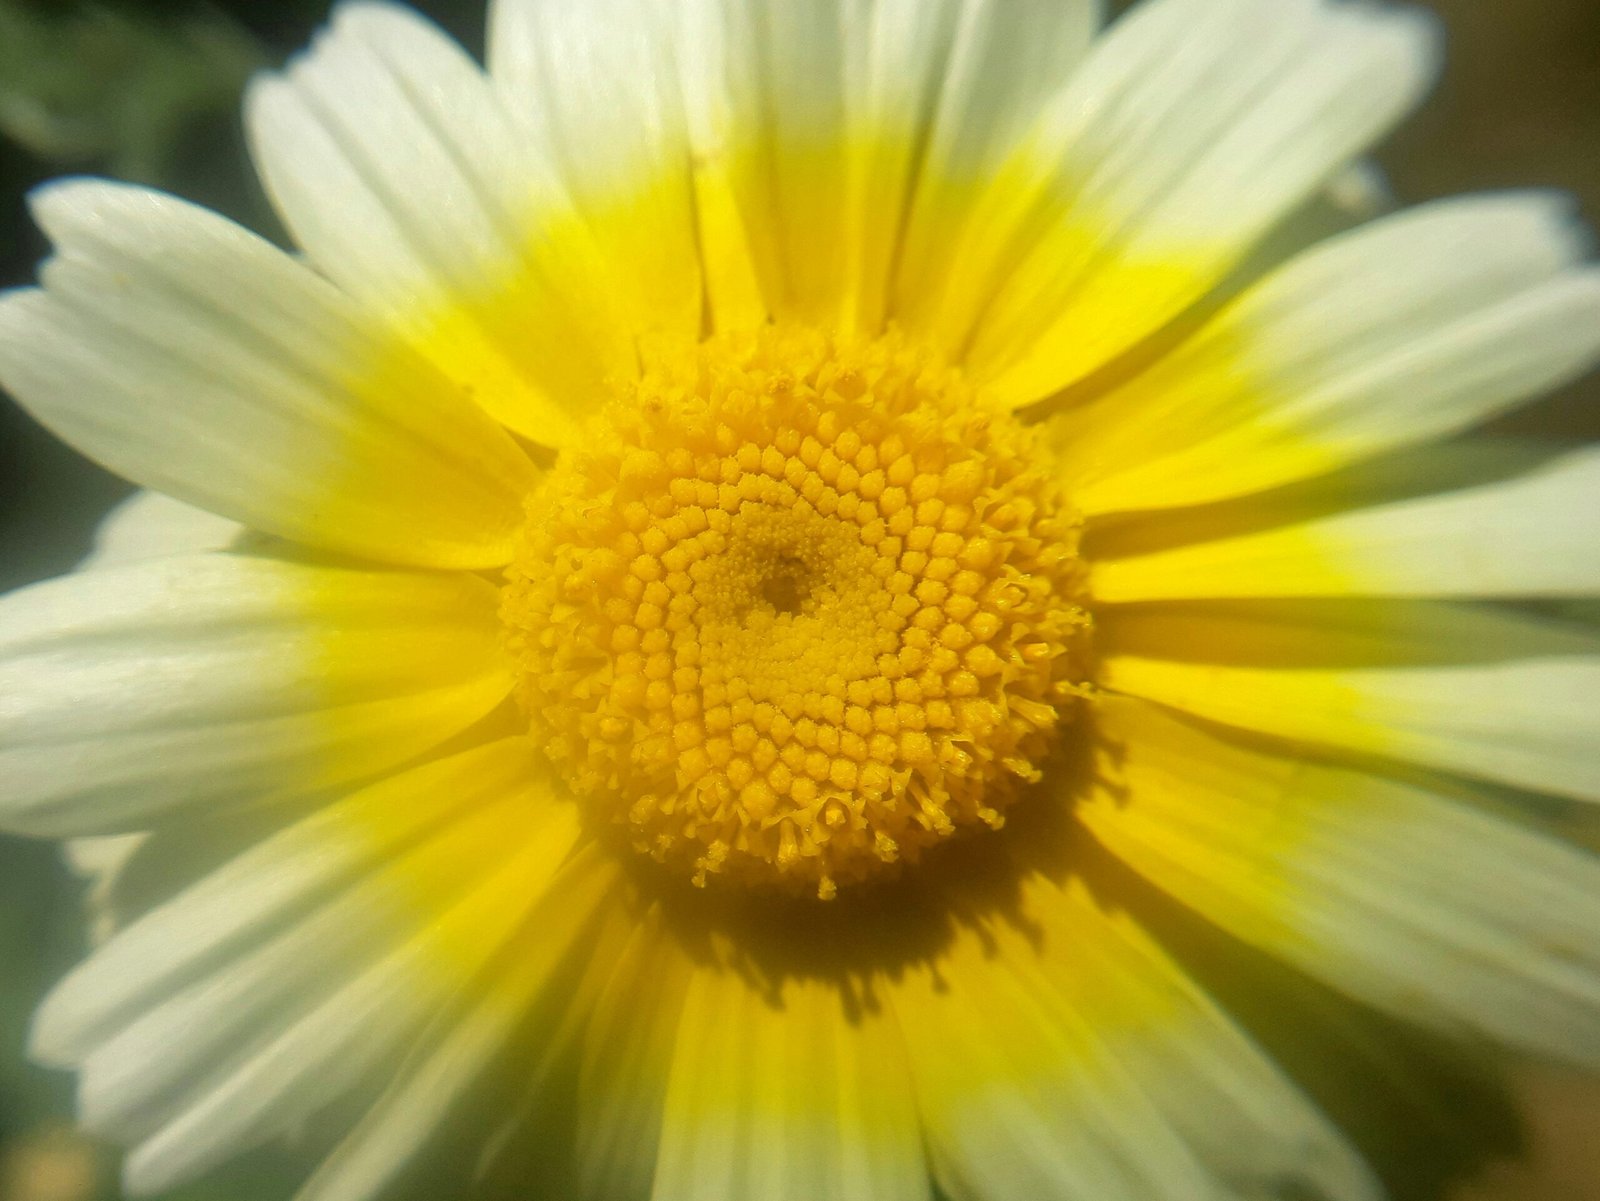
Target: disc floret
(800, 608)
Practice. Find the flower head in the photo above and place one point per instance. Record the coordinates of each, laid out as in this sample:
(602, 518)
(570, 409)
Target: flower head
(804, 609)
(778, 568)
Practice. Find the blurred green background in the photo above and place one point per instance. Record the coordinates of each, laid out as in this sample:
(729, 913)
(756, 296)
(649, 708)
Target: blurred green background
(147, 90)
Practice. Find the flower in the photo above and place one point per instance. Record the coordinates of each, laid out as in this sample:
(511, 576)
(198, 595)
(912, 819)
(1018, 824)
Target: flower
(784, 575)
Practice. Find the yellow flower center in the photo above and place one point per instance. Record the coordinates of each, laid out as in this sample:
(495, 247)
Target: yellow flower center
(801, 608)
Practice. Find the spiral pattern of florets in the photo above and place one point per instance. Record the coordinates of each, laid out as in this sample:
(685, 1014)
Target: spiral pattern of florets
(800, 608)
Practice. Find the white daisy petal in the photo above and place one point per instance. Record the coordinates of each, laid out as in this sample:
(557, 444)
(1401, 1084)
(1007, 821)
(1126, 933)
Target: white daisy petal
(247, 899)
(204, 1022)
(596, 81)
(194, 358)
(1411, 328)
(1007, 59)
(810, 123)
(146, 525)
(398, 170)
(1062, 1054)
(1465, 689)
(101, 860)
(222, 680)
(1192, 127)
(336, 940)
(1390, 892)
(1536, 534)
(462, 1045)
(389, 1136)
(101, 855)
(625, 1066)
(442, 173)
(149, 525)
(362, 1024)
(783, 1093)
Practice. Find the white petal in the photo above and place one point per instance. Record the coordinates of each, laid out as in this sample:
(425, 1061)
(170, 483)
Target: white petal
(1393, 893)
(813, 124)
(357, 1029)
(1192, 128)
(202, 1020)
(596, 82)
(476, 1045)
(1412, 328)
(626, 1062)
(196, 359)
(101, 861)
(224, 680)
(396, 167)
(290, 976)
(1059, 1052)
(1008, 57)
(102, 855)
(707, 44)
(149, 525)
(1535, 534)
(249, 898)
(1504, 697)
(780, 1092)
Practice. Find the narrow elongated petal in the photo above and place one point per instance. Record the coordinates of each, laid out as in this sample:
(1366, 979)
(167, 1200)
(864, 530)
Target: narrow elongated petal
(626, 1064)
(1192, 128)
(1411, 328)
(1394, 893)
(1470, 690)
(1008, 58)
(196, 359)
(596, 82)
(335, 942)
(149, 525)
(397, 168)
(819, 127)
(244, 902)
(1535, 534)
(363, 1026)
(822, 104)
(786, 1095)
(225, 680)
(476, 1042)
(1064, 1055)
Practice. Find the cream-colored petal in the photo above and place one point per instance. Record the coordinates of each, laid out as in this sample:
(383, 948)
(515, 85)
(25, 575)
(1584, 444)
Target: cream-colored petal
(1467, 689)
(817, 127)
(1411, 328)
(1007, 60)
(1534, 534)
(195, 358)
(821, 104)
(1191, 128)
(221, 680)
(626, 1063)
(397, 168)
(485, 1043)
(784, 1091)
(248, 899)
(1397, 894)
(596, 83)
(1058, 1052)
(149, 525)
(319, 954)
(146, 525)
